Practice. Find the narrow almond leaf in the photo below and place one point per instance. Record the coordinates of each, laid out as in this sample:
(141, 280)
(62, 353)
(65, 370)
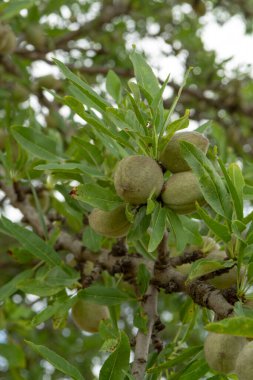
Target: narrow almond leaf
(144, 74)
(157, 225)
(60, 306)
(113, 85)
(236, 198)
(95, 122)
(73, 167)
(57, 361)
(213, 188)
(13, 8)
(248, 192)
(36, 143)
(176, 227)
(11, 287)
(98, 102)
(172, 128)
(187, 354)
(219, 229)
(205, 266)
(30, 241)
(103, 296)
(237, 178)
(238, 326)
(97, 196)
(118, 361)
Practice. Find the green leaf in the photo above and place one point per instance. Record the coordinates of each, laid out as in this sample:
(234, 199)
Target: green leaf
(72, 167)
(118, 361)
(177, 229)
(98, 102)
(141, 320)
(143, 278)
(187, 354)
(158, 224)
(213, 188)
(144, 74)
(94, 121)
(57, 361)
(238, 326)
(61, 306)
(248, 192)
(103, 296)
(14, 7)
(173, 127)
(91, 239)
(175, 101)
(191, 228)
(237, 178)
(36, 143)
(140, 225)
(11, 287)
(218, 229)
(30, 241)
(113, 85)
(14, 354)
(97, 196)
(236, 197)
(205, 266)
(38, 288)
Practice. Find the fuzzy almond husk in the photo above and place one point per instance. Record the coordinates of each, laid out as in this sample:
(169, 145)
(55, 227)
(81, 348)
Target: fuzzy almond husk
(244, 363)
(221, 351)
(181, 191)
(136, 178)
(87, 315)
(8, 40)
(171, 157)
(110, 223)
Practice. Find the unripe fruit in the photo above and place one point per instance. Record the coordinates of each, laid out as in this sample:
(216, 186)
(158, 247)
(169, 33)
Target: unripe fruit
(136, 178)
(171, 157)
(181, 191)
(222, 350)
(226, 280)
(109, 223)
(244, 363)
(20, 93)
(87, 315)
(8, 40)
(199, 7)
(35, 35)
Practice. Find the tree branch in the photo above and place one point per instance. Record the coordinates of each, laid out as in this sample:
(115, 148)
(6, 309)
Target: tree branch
(143, 340)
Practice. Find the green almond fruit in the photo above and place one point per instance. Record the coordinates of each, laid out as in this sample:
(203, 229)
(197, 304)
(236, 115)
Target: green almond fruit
(221, 351)
(171, 157)
(136, 178)
(8, 40)
(225, 280)
(87, 316)
(112, 224)
(181, 191)
(35, 36)
(244, 363)
(20, 93)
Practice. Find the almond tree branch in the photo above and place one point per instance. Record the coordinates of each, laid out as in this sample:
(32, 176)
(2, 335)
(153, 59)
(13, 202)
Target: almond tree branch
(164, 276)
(143, 339)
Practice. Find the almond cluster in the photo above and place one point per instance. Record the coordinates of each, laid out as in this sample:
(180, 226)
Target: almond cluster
(138, 177)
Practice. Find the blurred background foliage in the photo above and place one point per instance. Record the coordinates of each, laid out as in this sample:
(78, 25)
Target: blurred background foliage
(92, 37)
